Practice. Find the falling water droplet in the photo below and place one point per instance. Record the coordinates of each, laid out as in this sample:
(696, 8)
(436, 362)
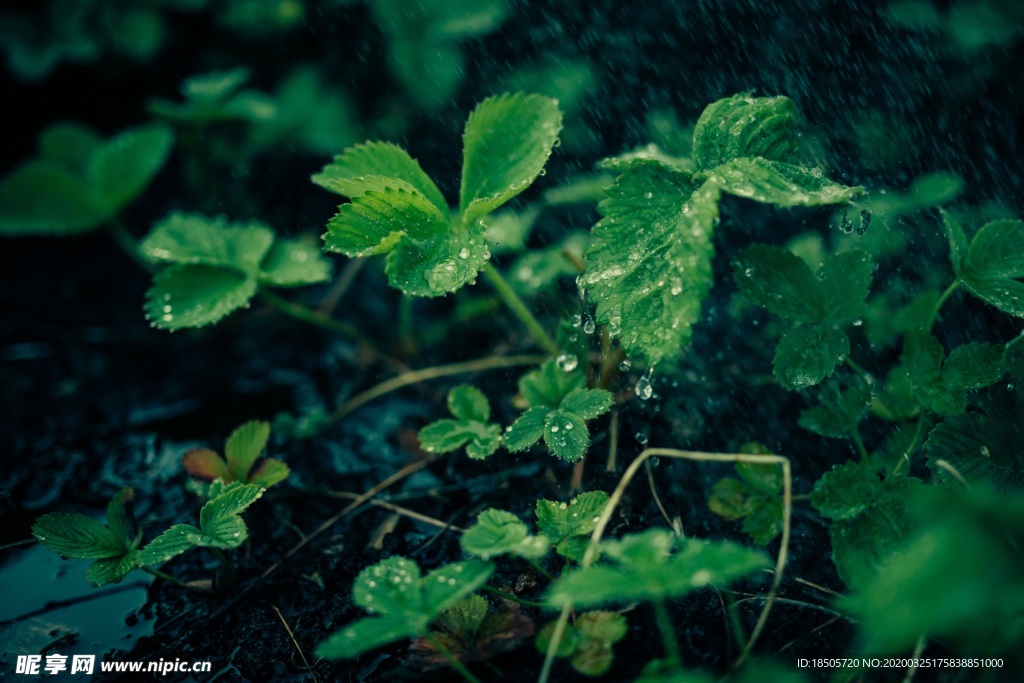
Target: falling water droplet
(644, 388)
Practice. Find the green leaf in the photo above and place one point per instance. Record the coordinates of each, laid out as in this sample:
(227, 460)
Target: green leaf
(189, 239)
(958, 244)
(649, 266)
(840, 410)
(942, 385)
(994, 266)
(468, 403)
(294, 263)
(985, 446)
(588, 403)
(871, 518)
(549, 385)
(497, 532)
(808, 354)
(120, 169)
(507, 141)
(773, 182)
(244, 446)
(654, 565)
(375, 166)
(121, 517)
(171, 543)
(526, 430)
(111, 569)
(745, 126)
(589, 641)
(406, 602)
(755, 499)
(269, 472)
(566, 434)
(780, 282)
(195, 296)
(77, 536)
(43, 197)
(973, 366)
(69, 143)
(231, 503)
(559, 521)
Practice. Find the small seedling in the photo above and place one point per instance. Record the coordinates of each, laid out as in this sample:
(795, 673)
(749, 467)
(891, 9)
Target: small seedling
(472, 632)
(560, 405)
(243, 448)
(755, 498)
(80, 181)
(404, 603)
(497, 532)
(470, 428)
(215, 268)
(569, 525)
(588, 642)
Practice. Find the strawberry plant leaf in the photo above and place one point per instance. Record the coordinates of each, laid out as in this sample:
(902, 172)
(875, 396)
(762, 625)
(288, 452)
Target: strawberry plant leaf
(270, 471)
(588, 642)
(244, 446)
(405, 601)
(559, 521)
(549, 385)
(507, 141)
(983, 446)
(958, 243)
(111, 569)
(526, 430)
(649, 265)
(294, 263)
(808, 354)
(121, 517)
(45, 198)
(195, 296)
(780, 282)
(1013, 357)
(941, 384)
(76, 536)
(375, 166)
(587, 403)
(471, 631)
(840, 409)
(192, 239)
(203, 463)
(171, 543)
(470, 429)
(70, 143)
(993, 266)
(754, 498)
(870, 518)
(233, 501)
(497, 532)
(654, 565)
(745, 126)
(773, 182)
(122, 167)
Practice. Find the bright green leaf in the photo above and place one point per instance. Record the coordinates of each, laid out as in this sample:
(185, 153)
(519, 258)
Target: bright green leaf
(497, 532)
(171, 543)
(195, 296)
(745, 126)
(773, 182)
(244, 446)
(507, 141)
(365, 635)
(270, 471)
(77, 536)
(578, 517)
(194, 239)
(468, 403)
(293, 263)
(549, 384)
(374, 166)
(120, 169)
(526, 430)
(588, 403)
(231, 503)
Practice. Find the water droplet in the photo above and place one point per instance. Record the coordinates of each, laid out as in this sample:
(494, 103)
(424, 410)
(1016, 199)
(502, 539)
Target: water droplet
(464, 253)
(589, 326)
(641, 438)
(625, 365)
(567, 362)
(865, 221)
(644, 389)
(568, 426)
(577, 320)
(648, 195)
(554, 428)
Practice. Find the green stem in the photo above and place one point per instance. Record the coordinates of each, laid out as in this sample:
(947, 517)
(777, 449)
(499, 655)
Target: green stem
(942, 299)
(308, 315)
(508, 596)
(517, 306)
(452, 659)
(860, 446)
(166, 577)
(543, 572)
(127, 243)
(910, 449)
(229, 566)
(668, 635)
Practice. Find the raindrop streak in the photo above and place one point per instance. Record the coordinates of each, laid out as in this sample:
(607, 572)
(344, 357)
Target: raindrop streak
(846, 225)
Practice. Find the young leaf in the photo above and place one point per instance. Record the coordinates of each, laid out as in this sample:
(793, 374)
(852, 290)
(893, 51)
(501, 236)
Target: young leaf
(472, 631)
(76, 536)
(560, 408)
(870, 518)
(122, 167)
(376, 166)
(294, 263)
(840, 409)
(588, 642)
(754, 498)
(405, 602)
(986, 446)
(654, 565)
(993, 266)
(941, 385)
(578, 517)
(171, 543)
(745, 126)
(244, 446)
(471, 410)
(507, 141)
(497, 532)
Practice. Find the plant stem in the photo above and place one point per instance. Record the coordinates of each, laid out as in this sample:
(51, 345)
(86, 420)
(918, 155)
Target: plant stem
(519, 308)
(452, 659)
(942, 299)
(166, 577)
(860, 445)
(543, 572)
(127, 243)
(508, 596)
(308, 315)
(668, 635)
(229, 566)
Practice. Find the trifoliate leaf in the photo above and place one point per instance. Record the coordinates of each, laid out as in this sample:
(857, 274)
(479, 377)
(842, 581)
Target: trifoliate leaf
(870, 518)
(549, 384)
(195, 296)
(497, 532)
(808, 354)
(773, 182)
(840, 409)
(122, 167)
(654, 565)
(941, 385)
(470, 428)
(507, 141)
(189, 239)
(994, 266)
(745, 126)
(755, 498)
(559, 521)
(649, 266)
(406, 602)
(985, 446)
(244, 446)
(375, 166)
(589, 641)
(294, 263)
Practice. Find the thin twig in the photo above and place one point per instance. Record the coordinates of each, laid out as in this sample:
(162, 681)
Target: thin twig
(341, 285)
(952, 470)
(405, 512)
(295, 642)
(657, 498)
(613, 441)
(416, 376)
(912, 669)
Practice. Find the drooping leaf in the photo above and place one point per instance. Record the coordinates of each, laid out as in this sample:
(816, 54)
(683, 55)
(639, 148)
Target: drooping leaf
(993, 267)
(773, 182)
(507, 141)
(497, 532)
(654, 565)
(745, 126)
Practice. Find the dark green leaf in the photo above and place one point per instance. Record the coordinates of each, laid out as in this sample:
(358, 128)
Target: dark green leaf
(566, 435)
(171, 543)
(780, 282)
(526, 430)
(365, 635)
(994, 266)
(194, 296)
(578, 517)
(468, 403)
(120, 169)
(121, 517)
(1013, 357)
(70, 143)
(808, 354)
(111, 569)
(840, 409)
(77, 536)
(44, 197)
